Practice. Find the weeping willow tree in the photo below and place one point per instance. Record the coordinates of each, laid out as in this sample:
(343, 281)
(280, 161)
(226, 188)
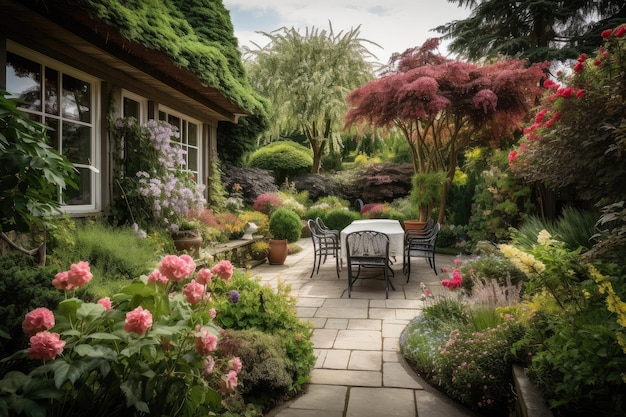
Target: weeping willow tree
(306, 77)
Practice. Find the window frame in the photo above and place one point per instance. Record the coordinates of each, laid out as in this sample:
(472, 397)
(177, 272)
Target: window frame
(199, 144)
(94, 123)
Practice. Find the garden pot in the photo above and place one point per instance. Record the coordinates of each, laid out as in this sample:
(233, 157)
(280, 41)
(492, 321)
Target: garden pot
(188, 244)
(277, 252)
(413, 225)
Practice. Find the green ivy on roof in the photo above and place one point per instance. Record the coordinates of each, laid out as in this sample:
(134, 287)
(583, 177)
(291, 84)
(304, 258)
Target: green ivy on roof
(197, 35)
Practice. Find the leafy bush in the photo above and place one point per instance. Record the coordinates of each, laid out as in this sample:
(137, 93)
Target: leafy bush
(338, 219)
(270, 375)
(23, 287)
(253, 181)
(114, 254)
(490, 267)
(267, 203)
(270, 311)
(285, 224)
(285, 158)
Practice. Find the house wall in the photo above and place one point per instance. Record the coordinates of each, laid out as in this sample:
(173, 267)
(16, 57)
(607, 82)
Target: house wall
(113, 77)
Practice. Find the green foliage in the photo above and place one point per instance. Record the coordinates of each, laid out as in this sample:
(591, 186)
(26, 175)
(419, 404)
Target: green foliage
(338, 219)
(285, 224)
(284, 158)
(270, 311)
(270, 376)
(196, 35)
(115, 255)
(577, 139)
(488, 267)
(31, 172)
(426, 191)
(332, 162)
(23, 287)
(501, 201)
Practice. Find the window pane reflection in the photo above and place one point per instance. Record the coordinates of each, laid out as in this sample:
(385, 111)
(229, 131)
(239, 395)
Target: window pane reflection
(76, 143)
(82, 195)
(24, 81)
(76, 99)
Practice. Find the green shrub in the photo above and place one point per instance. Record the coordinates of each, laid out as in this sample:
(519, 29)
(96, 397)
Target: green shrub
(267, 374)
(114, 254)
(285, 224)
(23, 287)
(338, 219)
(488, 267)
(575, 227)
(285, 158)
(270, 311)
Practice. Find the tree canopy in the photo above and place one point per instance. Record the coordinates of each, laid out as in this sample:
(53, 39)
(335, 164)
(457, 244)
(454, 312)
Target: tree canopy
(537, 30)
(442, 105)
(306, 78)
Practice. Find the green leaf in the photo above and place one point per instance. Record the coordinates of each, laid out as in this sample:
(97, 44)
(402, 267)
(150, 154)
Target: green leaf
(69, 372)
(90, 311)
(103, 336)
(132, 392)
(68, 308)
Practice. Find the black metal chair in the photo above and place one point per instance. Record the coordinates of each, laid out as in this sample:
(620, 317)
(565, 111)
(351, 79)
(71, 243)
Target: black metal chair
(420, 243)
(324, 244)
(368, 249)
(324, 229)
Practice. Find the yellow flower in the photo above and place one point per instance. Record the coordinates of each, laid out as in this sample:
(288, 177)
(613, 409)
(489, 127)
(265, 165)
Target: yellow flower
(544, 237)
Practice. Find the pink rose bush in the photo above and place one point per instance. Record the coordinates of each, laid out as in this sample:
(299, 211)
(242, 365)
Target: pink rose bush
(146, 347)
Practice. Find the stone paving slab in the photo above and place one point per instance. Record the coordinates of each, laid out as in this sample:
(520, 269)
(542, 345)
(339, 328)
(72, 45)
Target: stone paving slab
(381, 402)
(346, 377)
(322, 397)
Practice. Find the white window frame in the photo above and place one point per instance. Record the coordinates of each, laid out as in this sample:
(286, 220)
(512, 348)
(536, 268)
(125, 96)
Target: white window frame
(184, 141)
(94, 123)
(143, 105)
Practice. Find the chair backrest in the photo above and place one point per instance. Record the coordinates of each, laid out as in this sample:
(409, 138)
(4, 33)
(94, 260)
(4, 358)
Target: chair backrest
(367, 244)
(320, 223)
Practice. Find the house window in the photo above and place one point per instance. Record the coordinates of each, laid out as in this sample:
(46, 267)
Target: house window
(134, 106)
(63, 100)
(189, 139)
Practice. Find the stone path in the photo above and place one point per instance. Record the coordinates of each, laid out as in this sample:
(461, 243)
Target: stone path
(359, 370)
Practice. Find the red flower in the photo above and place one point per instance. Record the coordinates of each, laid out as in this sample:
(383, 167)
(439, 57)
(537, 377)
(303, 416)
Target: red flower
(620, 31)
(565, 92)
(580, 93)
(512, 156)
(582, 57)
(606, 34)
(578, 68)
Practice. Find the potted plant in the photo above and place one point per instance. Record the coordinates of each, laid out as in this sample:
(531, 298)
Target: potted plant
(187, 238)
(425, 194)
(285, 227)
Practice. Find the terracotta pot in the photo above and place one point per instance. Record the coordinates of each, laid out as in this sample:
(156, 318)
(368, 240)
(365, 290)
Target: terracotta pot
(278, 252)
(413, 225)
(188, 244)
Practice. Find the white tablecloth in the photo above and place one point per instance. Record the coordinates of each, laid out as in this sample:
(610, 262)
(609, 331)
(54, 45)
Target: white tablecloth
(391, 228)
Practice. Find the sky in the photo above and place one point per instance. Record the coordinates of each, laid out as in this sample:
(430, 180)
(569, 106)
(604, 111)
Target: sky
(395, 25)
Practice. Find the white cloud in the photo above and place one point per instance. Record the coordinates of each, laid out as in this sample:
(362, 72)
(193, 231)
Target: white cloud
(395, 25)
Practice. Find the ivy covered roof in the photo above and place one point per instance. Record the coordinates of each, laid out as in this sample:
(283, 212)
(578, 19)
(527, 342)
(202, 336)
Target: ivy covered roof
(173, 36)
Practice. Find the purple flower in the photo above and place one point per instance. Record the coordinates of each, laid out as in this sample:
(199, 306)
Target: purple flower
(233, 296)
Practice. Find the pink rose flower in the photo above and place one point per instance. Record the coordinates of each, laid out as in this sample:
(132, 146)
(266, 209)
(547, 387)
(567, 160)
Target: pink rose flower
(177, 268)
(45, 346)
(223, 269)
(209, 365)
(229, 384)
(38, 320)
(235, 364)
(79, 274)
(158, 277)
(193, 292)
(106, 303)
(60, 281)
(138, 321)
(206, 342)
(204, 276)
(213, 313)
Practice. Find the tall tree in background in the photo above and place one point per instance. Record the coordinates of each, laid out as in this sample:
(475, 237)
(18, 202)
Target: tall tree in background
(306, 78)
(442, 106)
(537, 30)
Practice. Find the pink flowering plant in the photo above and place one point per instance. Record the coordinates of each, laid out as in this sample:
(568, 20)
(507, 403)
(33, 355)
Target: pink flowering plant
(152, 349)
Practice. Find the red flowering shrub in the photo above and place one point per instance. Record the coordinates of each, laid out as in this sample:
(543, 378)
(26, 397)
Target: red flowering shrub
(267, 203)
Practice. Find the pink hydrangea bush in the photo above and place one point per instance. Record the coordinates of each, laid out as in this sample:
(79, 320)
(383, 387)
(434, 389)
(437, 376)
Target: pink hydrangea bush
(153, 348)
